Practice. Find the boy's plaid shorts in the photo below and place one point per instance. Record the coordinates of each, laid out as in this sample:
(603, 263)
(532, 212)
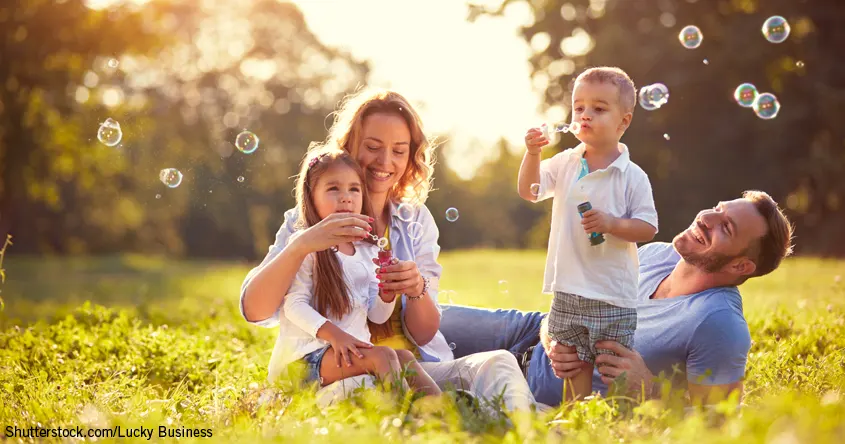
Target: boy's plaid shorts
(580, 322)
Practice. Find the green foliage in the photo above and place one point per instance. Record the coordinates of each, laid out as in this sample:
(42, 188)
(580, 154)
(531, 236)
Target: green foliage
(178, 353)
(717, 149)
(190, 77)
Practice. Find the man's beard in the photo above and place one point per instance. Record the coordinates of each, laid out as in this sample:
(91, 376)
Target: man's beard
(710, 263)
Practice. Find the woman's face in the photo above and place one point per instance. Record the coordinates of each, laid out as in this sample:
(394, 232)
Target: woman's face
(384, 151)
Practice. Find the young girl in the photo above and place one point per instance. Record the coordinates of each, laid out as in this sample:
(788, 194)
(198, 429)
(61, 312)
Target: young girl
(335, 291)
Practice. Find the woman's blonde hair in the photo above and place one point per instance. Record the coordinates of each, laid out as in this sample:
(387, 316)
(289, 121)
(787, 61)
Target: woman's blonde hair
(415, 183)
(331, 296)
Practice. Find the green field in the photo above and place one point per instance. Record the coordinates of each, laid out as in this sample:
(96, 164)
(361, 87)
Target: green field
(162, 344)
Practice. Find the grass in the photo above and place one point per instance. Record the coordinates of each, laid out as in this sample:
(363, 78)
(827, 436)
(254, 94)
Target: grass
(161, 343)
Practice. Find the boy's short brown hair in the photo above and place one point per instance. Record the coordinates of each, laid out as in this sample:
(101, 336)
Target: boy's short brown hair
(616, 77)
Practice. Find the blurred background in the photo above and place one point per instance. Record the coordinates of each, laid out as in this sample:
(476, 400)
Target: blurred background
(184, 78)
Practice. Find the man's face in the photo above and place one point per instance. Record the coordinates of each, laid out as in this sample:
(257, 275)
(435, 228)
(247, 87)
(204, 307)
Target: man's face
(719, 238)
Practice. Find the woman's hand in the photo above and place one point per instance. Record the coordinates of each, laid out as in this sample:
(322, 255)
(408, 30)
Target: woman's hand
(401, 277)
(333, 230)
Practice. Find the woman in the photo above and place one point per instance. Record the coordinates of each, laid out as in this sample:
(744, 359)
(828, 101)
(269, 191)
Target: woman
(383, 132)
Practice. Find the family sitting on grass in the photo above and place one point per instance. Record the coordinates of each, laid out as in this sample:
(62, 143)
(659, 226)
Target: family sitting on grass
(618, 313)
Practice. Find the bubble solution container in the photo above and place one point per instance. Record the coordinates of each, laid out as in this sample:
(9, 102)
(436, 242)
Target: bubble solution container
(595, 238)
(384, 258)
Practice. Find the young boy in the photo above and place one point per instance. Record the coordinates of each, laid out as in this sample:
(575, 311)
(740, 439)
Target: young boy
(592, 260)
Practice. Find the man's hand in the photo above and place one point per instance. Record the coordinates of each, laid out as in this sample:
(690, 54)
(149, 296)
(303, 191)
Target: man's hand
(629, 362)
(595, 221)
(565, 362)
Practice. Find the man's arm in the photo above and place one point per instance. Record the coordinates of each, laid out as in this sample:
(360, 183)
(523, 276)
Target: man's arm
(639, 377)
(717, 356)
(715, 364)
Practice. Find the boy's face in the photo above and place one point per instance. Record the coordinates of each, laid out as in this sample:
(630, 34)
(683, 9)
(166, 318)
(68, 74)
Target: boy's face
(596, 107)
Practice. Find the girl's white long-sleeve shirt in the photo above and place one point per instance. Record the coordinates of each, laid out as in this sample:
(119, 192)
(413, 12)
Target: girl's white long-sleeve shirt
(300, 321)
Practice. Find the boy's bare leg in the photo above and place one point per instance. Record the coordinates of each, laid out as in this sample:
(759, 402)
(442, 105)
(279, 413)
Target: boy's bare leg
(421, 380)
(379, 361)
(580, 386)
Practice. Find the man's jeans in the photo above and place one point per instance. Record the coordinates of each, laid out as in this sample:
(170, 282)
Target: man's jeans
(474, 330)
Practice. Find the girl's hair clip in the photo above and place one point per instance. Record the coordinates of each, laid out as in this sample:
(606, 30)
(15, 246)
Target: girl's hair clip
(316, 159)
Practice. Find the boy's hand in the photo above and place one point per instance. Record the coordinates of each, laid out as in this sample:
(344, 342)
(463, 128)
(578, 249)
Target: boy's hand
(535, 140)
(595, 221)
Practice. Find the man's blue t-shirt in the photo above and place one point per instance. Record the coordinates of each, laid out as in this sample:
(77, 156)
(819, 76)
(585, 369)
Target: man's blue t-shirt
(701, 338)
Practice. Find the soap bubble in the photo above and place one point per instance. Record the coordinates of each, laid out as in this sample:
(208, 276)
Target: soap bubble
(170, 177)
(573, 128)
(745, 94)
(246, 142)
(241, 179)
(690, 37)
(653, 96)
(535, 189)
(503, 286)
(109, 133)
(415, 230)
(766, 106)
(452, 214)
(776, 29)
(405, 211)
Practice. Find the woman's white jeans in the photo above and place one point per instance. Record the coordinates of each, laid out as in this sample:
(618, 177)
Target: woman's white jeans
(486, 375)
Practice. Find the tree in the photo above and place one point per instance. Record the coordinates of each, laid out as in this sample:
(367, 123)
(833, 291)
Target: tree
(189, 79)
(46, 48)
(715, 149)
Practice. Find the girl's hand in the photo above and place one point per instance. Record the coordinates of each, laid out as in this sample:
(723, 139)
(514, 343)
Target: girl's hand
(401, 277)
(345, 345)
(335, 229)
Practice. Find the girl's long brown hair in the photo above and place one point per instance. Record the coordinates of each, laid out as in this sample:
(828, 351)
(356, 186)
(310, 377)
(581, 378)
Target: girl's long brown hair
(415, 183)
(331, 296)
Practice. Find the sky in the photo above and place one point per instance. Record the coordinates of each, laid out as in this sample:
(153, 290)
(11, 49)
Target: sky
(471, 80)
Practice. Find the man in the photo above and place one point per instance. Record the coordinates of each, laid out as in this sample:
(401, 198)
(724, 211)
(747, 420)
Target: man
(690, 324)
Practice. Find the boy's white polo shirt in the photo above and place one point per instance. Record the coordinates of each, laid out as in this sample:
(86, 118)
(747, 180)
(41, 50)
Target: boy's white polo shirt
(606, 272)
